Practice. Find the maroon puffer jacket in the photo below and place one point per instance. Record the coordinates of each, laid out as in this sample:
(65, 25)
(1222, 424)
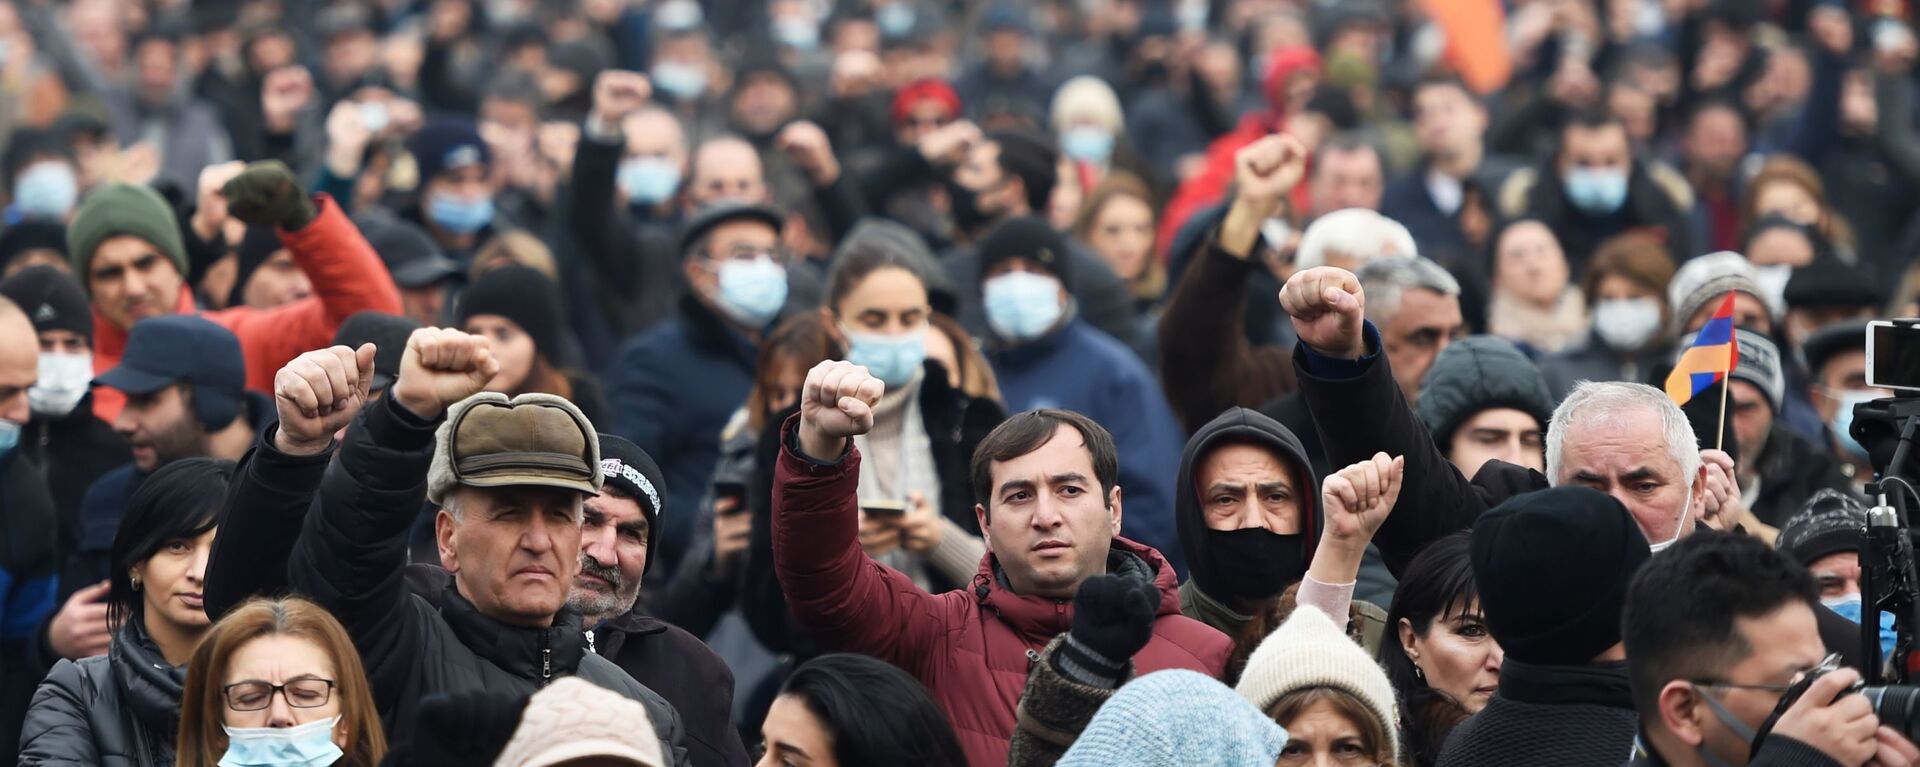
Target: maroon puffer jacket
(969, 647)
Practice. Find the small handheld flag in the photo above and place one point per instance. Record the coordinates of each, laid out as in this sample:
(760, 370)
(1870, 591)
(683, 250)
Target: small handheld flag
(1708, 360)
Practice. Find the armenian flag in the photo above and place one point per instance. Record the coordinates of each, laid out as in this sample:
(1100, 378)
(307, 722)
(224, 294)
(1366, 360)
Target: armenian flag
(1708, 360)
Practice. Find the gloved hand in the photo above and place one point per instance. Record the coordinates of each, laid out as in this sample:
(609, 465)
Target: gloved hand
(266, 194)
(1113, 618)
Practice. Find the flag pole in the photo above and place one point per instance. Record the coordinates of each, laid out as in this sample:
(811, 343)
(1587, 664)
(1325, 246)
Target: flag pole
(1720, 433)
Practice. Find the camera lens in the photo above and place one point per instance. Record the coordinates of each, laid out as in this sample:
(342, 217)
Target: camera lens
(1898, 707)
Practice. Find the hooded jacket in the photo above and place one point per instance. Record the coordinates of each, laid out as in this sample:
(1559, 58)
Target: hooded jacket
(121, 709)
(1237, 426)
(971, 647)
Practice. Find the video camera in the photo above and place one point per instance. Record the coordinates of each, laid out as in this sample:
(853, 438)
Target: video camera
(1887, 428)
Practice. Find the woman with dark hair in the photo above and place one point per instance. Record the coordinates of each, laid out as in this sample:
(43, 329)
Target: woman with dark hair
(1443, 664)
(518, 309)
(124, 707)
(845, 710)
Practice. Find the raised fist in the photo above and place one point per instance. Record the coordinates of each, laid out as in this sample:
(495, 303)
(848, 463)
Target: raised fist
(317, 394)
(1267, 170)
(266, 194)
(948, 144)
(806, 145)
(618, 93)
(210, 203)
(1359, 498)
(836, 403)
(442, 366)
(283, 94)
(1327, 306)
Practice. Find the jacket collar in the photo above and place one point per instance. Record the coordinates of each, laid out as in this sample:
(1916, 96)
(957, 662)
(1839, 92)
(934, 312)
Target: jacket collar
(1039, 619)
(712, 334)
(1024, 354)
(613, 633)
(1596, 684)
(537, 655)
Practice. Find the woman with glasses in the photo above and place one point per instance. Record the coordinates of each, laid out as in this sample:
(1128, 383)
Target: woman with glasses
(122, 708)
(277, 682)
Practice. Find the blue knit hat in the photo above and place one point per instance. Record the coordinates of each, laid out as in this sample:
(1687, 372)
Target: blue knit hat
(1176, 718)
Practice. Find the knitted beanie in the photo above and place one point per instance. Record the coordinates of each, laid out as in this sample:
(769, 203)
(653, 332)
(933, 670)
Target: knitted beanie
(574, 719)
(1477, 374)
(1705, 280)
(1176, 718)
(521, 294)
(1552, 567)
(51, 298)
(124, 209)
(1308, 651)
(1828, 523)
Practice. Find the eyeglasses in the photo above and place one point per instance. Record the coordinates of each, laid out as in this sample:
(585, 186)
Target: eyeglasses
(300, 693)
(778, 254)
(1827, 664)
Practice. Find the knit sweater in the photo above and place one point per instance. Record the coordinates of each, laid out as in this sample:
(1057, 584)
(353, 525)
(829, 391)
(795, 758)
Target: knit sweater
(1176, 717)
(1570, 717)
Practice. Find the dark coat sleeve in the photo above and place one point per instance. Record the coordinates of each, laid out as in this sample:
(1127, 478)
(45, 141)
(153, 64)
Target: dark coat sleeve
(1206, 363)
(57, 730)
(352, 553)
(1053, 711)
(611, 248)
(265, 509)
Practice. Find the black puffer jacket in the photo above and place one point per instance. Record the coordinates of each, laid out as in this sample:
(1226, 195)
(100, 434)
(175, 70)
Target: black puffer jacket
(121, 709)
(351, 557)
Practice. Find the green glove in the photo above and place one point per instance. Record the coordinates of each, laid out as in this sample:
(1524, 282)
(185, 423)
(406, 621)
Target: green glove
(266, 194)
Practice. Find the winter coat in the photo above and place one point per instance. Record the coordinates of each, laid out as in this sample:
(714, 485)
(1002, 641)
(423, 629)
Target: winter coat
(969, 647)
(348, 277)
(121, 709)
(1595, 361)
(29, 562)
(1053, 711)
(1103, 298)
(1084, 370)
(1791, 470)
(73, 451)
(634, 263)
(1206, 362)
(672, 390)
(351, 554)
(1775, 751)
(1549, 716)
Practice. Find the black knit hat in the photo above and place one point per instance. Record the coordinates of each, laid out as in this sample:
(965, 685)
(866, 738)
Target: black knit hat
(32, 235)
(387, 333)
(630, 470)
(1830, 522)
(1552, 568)
(1831, 283)
(518, 293)
(1031, 238)
(53, 300)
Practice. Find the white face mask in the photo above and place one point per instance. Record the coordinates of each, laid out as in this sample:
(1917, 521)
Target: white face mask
(1773, 280)
(1686, 517)
(64, 380)
(307, 745)
(1627, 324)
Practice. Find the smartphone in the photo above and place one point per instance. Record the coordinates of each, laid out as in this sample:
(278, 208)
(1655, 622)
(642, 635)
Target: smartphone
(735, 490)
(1893, 354)
(884, 508)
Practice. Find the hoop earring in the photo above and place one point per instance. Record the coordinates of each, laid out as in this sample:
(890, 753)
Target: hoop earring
(136, 581)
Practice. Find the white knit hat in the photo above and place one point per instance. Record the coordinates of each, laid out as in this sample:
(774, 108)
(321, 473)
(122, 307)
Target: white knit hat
(574, 719)
(1310, 650)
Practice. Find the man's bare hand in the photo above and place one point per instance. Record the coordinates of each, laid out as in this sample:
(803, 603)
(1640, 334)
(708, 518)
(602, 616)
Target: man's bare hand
(442, 366)
(1328, 310)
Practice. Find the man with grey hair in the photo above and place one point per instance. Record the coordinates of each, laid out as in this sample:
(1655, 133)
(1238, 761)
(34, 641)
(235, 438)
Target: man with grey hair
(1627, 440)
(1349, 238)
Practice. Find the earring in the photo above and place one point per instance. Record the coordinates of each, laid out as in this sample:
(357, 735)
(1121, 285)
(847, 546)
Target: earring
(136, 581)
(1418, 673)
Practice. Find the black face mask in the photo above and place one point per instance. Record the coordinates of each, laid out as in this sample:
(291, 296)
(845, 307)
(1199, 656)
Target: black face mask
(967, 215)
(1251, 563)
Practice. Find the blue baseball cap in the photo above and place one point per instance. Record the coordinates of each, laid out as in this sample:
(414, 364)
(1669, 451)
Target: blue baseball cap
(163, 351)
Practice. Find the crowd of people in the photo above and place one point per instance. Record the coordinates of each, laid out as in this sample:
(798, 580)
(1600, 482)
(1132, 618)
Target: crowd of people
(912, 382)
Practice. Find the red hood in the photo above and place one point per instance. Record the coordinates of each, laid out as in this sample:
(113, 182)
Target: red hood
(1039, 619)
(1284, 64)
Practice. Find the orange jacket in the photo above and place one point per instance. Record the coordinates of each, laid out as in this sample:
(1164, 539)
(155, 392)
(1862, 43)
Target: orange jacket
(347, 276)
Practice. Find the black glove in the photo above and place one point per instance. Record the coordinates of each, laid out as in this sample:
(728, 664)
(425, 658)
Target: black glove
(266, 194)
(1112, 619)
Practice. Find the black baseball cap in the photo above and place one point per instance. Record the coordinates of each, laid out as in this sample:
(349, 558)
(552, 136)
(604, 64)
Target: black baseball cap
(410, 255)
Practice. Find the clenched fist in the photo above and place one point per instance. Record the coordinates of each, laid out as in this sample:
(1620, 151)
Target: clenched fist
(442, 366)
(617, 94)
(1327, 306)
(1359, 498)
(317, 394)
(267, 194)
(806, 144)
(836, 403)
(1264, 173)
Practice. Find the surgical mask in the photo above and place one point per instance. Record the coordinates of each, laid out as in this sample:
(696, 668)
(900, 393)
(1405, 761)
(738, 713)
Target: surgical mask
(1627, 324)
(892, 359)
(648, 180)
(9, 437)
(1843, 423)
(1741, 729)
(751, 292)
(684, 82)
(308, 745)
(797, 33)
(1686, 518)
(46, 191)
(1850, 607)
(64, 381)
(1022, 306)
(1773, 282)
(461, 216)
(1597, 191)
(895, 19)
(1091, 145)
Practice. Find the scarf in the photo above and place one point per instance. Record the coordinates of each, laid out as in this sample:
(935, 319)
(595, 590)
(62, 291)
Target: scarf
(897, 458)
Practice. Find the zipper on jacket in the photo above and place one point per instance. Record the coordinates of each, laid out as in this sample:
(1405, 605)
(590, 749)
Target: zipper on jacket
(590, 647)
(546, 657)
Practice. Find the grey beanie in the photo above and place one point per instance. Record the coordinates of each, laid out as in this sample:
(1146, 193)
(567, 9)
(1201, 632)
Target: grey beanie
(1705, 280)
(1759, 365)
(1480, 373)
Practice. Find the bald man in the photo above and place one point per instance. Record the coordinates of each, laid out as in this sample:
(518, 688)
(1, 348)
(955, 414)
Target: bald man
(27, 525)
(726, 168)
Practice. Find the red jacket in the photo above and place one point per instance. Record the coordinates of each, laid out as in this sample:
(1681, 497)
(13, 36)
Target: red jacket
(348, 277)
(969, 647)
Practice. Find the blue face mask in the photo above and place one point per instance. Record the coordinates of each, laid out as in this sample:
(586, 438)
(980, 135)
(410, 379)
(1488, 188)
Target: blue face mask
(308, 745)
(1088, 145)
(648, 180)
(797, 33)
(9, 437)
(1843, 423)
(461, 216)
(752, 292)
(1022, 306)
(46, 190)
(1597, 191)
(895, 19)
(1850, 608)
(684, 82)
(892, 359)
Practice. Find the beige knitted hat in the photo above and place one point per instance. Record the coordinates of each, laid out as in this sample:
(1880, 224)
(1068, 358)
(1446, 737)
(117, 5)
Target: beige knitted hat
(1310, 650)
(574, 719)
